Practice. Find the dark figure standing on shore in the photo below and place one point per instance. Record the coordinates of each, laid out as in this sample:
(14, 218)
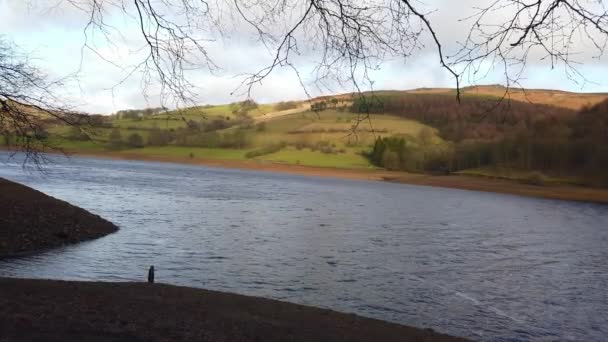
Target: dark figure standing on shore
(151, 274)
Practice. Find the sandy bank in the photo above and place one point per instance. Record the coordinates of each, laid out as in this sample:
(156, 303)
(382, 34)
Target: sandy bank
(44, 310)
(31, 221)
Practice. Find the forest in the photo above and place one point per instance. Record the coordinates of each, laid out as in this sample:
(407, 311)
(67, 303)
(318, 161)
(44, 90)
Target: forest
(497, 133)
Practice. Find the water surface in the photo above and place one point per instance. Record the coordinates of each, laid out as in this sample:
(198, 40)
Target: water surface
(481, 265)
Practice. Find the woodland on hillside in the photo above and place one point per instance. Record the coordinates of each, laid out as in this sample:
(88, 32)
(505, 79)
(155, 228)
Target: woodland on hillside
(496, 133)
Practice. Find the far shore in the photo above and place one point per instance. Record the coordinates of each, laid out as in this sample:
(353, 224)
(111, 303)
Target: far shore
(463, 182)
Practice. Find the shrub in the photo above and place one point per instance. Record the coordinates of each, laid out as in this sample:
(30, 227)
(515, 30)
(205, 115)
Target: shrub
(286, 105)
(327, 149)
(425, 136)
(265, 150)
(207, 139)
(318, 106)
(236, 139)
(243, 108)
(193, 125)
(7, 139)
(390, 160)
(216, 124)
(42, 134)
(159, 137)
(115, 138)
(135, 140)
(249, 104)
(535, 178)
(76, 134)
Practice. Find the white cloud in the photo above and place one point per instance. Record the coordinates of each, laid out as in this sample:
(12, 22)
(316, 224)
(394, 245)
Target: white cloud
(56, 40)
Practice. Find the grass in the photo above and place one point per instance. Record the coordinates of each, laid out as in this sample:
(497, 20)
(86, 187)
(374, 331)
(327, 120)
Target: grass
(74, 145)
(528, 177)
(331, 130)
(307, 157)
(209, 112)
(336, 128)
(101, 134)
(154, 122)
(178, 118)
(185, 152)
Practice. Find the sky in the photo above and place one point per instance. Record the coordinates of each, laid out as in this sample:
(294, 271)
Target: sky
(51, 32)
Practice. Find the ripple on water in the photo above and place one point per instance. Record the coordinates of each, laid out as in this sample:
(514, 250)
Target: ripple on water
(486, 266)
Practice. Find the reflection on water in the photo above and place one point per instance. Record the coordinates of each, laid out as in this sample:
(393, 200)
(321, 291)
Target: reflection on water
(480, 265)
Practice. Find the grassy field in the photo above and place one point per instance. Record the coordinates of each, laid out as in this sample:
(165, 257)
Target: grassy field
(81, 146)
(202, 112)
(190, 152)
(328, 138)
(338, 128)
(307, 157)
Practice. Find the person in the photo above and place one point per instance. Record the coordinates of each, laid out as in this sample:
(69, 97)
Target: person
(151, 274)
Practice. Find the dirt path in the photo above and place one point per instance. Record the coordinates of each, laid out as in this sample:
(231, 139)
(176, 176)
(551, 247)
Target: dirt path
(272, 115)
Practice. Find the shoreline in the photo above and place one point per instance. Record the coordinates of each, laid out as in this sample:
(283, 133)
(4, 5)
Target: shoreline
(54, 310)
(31, 221)
(461, 182)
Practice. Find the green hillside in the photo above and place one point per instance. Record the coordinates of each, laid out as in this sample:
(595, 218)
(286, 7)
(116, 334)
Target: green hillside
(419, 131)
(327, 138)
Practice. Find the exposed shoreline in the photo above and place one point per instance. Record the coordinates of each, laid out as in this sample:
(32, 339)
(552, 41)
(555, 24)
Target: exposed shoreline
(31, 221)
(49, 310)
(463, 182)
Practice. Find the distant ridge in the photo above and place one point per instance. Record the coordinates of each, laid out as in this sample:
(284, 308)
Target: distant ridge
(553, 97)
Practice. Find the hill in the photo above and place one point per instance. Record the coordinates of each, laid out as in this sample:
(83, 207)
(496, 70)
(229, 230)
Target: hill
(556, 98)
(421, 131)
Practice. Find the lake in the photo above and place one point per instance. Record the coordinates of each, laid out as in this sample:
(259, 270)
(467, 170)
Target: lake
(480, 265)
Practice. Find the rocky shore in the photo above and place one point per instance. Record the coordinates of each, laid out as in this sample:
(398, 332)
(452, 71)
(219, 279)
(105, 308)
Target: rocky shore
(45, 310)
(31, 221)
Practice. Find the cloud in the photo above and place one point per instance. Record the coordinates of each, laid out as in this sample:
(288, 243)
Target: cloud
(57, 38)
